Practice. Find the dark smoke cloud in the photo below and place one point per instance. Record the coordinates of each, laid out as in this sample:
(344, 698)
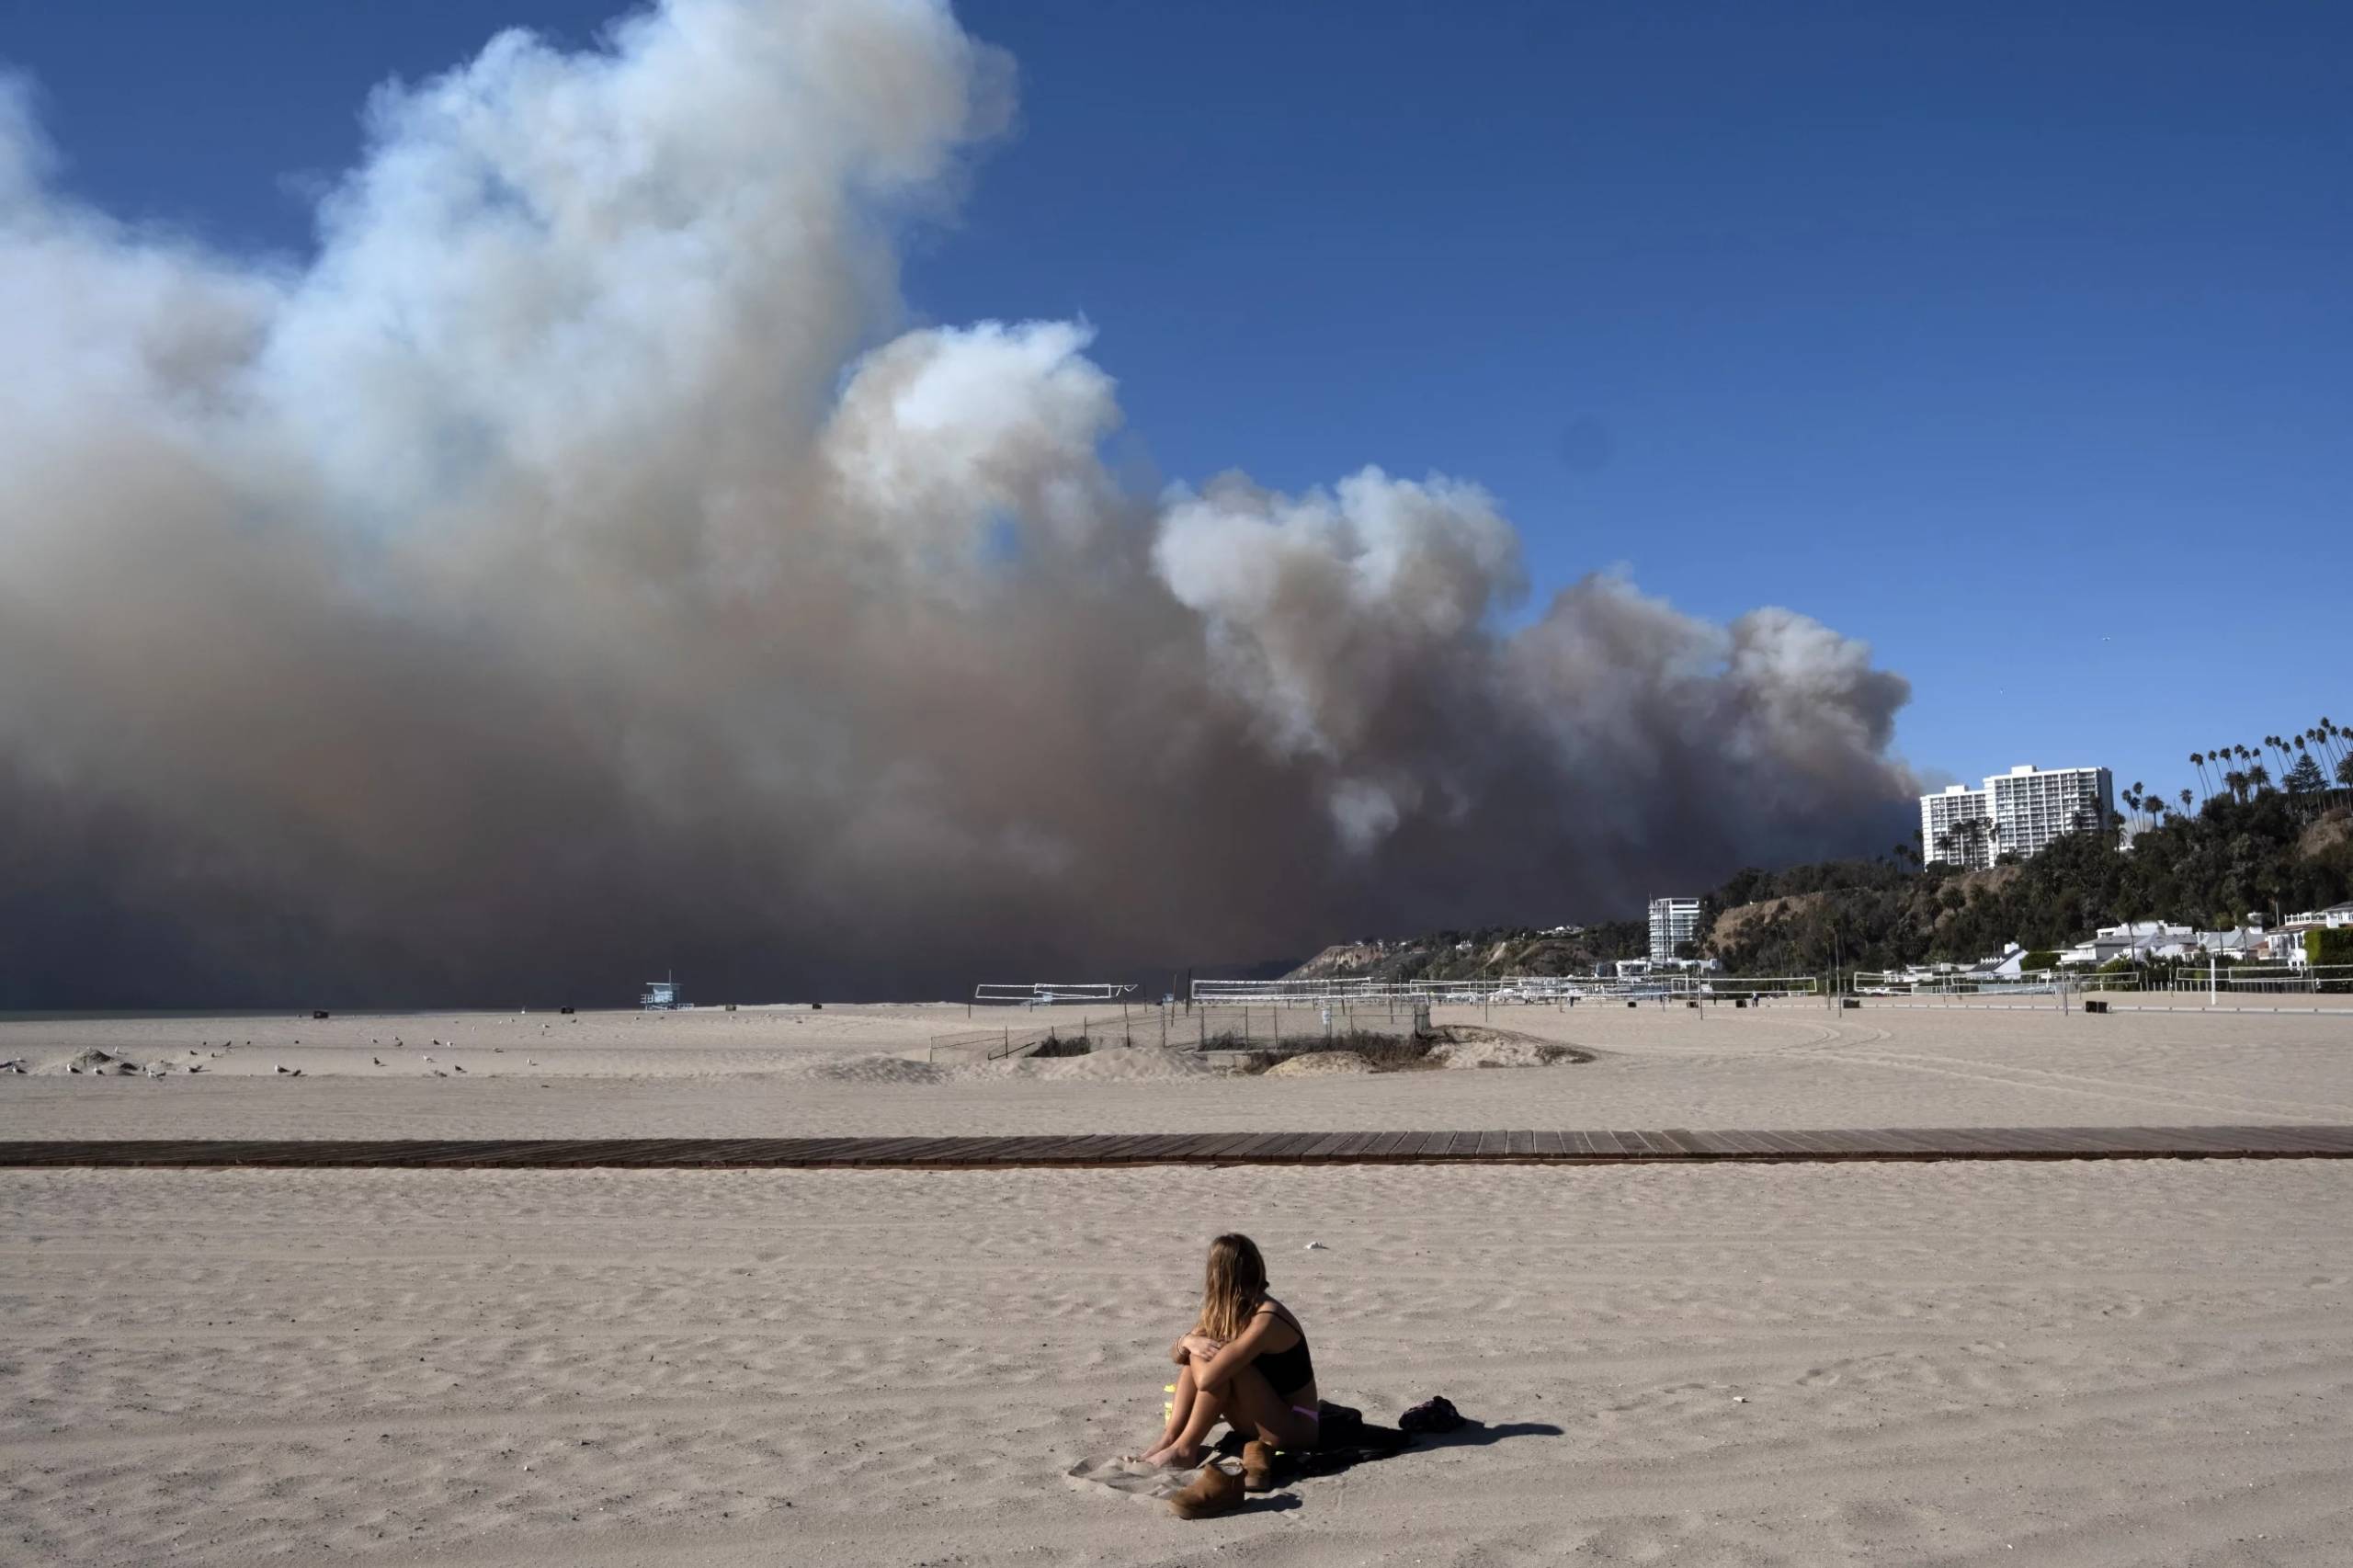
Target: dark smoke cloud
(576, 569)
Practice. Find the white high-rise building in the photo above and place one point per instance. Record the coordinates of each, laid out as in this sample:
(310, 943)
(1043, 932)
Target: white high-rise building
(2023, 811)
(2033, 807)
(1673, 921)
(1944, 837)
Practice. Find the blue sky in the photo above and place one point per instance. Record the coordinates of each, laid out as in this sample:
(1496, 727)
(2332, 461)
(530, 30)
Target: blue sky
(2016, 339)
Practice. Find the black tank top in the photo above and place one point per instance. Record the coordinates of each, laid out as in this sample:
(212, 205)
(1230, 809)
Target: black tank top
(1286, 1371)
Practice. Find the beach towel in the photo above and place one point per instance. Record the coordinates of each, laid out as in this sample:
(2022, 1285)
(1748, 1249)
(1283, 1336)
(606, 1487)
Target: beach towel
(1344, 1439)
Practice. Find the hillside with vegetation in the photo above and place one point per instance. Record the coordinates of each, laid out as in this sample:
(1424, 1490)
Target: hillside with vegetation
(1491, 952)
(2251, 846)
(2269, 854)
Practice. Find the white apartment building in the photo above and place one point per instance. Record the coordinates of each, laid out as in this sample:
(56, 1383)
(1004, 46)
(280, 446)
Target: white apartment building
(2026, 808)
(1673, 921)
(2033, 806)
(1942, 837)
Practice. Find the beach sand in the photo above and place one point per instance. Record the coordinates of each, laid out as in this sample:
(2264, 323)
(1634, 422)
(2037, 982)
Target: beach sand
(863, 1070)
(2076, 1363)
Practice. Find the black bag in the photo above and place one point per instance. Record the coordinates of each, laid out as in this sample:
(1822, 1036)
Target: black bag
(1436, 1413)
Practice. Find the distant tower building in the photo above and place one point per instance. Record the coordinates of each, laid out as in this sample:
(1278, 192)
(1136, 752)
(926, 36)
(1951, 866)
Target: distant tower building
(1949, 830)
(2032, 808)
(1673, 921)
(2021, 811)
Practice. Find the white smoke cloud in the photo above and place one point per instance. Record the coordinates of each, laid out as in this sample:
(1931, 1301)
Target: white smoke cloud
(576, 565)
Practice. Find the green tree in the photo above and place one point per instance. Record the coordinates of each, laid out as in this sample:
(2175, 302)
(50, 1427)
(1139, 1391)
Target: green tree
(2305, 777)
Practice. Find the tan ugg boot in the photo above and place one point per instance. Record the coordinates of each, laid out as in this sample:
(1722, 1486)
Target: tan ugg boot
(1213, 1492)
(1257, 1467)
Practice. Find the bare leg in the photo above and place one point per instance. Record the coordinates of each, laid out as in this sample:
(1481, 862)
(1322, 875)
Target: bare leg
(1251, 1404)
(1180, 1412)
(1256, 1410)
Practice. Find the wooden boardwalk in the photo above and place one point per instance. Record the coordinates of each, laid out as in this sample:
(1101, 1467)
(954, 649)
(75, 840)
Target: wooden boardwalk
(1670, 1146)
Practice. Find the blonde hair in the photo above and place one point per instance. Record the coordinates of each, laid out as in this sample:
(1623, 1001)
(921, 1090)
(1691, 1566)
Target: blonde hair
(1234, 1285)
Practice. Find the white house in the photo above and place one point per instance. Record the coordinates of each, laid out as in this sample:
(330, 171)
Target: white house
(2136, 939)
(2142, 940)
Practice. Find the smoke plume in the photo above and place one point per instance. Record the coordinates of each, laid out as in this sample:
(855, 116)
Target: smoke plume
(576, 566)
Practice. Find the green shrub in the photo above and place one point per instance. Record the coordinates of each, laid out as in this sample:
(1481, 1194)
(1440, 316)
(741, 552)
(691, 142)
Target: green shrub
(2326, 945)
(2042, 957)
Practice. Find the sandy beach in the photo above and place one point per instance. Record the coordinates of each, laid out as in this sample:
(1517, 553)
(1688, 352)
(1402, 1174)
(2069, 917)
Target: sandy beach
(851, 1070)
(2077, 1363)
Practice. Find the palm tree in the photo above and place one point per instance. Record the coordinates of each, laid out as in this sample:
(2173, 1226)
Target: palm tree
(2185, 802)
(2345, 771)
(2259, 778)
(2197, 761)
(2235, 782)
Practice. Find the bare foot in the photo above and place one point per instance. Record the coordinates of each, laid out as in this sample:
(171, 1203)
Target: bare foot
(1173, 1456)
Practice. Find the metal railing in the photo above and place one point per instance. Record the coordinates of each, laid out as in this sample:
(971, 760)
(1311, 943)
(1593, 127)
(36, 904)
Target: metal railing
(999, 1044)
(1047, 993)
(2325, 978)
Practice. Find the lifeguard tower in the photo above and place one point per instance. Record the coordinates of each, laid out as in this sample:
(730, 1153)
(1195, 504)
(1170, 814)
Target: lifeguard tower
(661, 995)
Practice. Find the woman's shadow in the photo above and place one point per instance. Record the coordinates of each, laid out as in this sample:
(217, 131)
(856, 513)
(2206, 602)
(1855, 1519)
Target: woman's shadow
(1479, 1434)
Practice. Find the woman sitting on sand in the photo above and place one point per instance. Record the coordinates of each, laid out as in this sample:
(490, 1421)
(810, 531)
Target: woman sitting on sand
(1244, 1362)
